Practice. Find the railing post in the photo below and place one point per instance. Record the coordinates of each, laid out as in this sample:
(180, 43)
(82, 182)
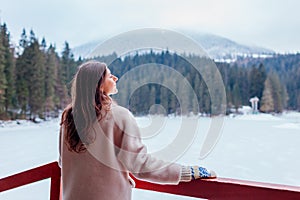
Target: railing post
(55, 182)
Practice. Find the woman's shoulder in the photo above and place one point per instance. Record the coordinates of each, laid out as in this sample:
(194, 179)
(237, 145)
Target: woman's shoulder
(120, 111)
(123, 118)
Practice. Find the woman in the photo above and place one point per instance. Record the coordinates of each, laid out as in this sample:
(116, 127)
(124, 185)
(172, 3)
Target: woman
(101, 143)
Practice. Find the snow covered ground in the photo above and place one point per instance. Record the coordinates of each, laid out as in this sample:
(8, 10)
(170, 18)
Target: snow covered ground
(261, 147)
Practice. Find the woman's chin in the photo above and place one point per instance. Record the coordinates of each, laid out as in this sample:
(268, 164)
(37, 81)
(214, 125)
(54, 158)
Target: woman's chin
(114, 92)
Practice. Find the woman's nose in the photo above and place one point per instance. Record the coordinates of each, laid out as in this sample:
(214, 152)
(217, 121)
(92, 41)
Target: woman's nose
(115, 78)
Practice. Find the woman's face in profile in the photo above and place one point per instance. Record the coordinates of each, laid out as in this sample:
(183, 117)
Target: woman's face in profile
(109, 85)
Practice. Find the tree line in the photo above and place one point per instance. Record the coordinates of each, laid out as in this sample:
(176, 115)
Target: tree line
(276, 87)
(35, 80)
(283, 81)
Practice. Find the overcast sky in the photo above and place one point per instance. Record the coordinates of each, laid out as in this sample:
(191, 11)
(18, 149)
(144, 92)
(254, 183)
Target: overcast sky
(273, 24)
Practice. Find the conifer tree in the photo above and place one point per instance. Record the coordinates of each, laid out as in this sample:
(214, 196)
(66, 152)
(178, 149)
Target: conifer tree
(267, 101)
(23, 42)
(44, 44)
(277, 92)
(274, 97)
(284, 95)
(9, 68)
(23, 75)
(37, 71)
(50, 71)
(257, 79)
(3, 83)
(297, 106)
(60, 88)
(152, 95)
(69, 67)
(184, 100)
(164, 97)
(30, 77)
(236, 96)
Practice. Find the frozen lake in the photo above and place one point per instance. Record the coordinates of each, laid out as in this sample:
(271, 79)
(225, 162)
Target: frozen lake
(259, 147)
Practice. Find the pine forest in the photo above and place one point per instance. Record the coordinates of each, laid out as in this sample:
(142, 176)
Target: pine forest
(35, 80)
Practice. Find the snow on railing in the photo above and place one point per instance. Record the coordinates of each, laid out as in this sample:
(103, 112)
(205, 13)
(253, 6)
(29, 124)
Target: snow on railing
(220, 188)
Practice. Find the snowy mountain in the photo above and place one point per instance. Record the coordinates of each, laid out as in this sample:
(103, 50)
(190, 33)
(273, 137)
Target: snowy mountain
(220, 48)
(85, 49)
(217, 47)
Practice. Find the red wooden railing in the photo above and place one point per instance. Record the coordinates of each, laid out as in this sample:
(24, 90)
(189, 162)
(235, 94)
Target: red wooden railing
(50, 170)
(220, 188)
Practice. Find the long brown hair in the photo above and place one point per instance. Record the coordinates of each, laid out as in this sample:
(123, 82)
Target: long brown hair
(86, 106)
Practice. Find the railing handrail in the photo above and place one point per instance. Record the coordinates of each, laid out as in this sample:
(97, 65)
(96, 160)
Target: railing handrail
(226, 189)
(50, 170)
(220, 188)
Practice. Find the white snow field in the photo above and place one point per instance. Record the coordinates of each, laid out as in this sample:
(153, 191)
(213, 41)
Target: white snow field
(260, 147)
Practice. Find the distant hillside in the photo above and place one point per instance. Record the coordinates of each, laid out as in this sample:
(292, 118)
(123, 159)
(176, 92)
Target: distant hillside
(221, 48)
(217, 47)
(85, 49)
